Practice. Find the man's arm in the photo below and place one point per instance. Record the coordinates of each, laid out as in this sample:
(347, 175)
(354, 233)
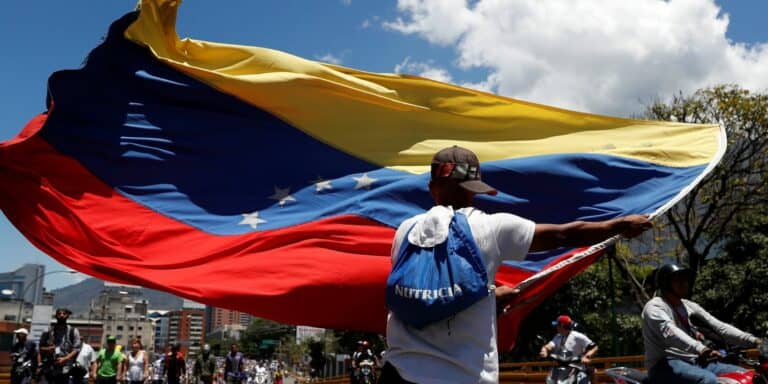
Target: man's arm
(69, 356)
(583, 233)
(95, 367)
(589, 353)
(546, 349)
(731, 334)
(504, 295)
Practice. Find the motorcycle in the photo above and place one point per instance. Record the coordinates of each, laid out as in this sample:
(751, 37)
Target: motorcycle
(758, 374)
(261, 376)
(366, 376)
(625, 375)
(568, 370)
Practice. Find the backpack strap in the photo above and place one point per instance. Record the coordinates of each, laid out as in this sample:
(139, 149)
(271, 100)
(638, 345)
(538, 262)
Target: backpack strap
(462, 226)
(404, 244)
(71, 333)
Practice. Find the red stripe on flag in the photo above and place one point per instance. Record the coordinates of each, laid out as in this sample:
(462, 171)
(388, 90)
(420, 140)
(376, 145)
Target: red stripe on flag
(315, 274)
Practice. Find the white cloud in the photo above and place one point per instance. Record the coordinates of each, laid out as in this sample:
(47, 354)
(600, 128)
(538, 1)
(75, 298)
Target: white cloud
(589, 55)
(366, 24)
(427, 70)
(328, 58)
(346, 2)
(435, 72)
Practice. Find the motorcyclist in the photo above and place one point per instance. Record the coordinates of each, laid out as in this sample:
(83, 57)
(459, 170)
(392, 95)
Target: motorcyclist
(569, 340)
(674, 349)
(24, 357)
(261, 372)
(363, 353)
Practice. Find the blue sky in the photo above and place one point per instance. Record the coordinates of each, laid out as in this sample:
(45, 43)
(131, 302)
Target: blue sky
(476, 45)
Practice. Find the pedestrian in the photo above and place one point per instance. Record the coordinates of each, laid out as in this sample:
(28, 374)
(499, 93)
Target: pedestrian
(205, 366)
(81, 371)
(456, 343)
(175, 365)
(233, 365)
(59, 346)
(109, 363)
(158, 369)
(23, 357)
(138, 363)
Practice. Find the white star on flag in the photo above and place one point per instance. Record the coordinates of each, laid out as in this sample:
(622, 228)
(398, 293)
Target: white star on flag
(252, 219)
(282, 195)
(323, 185)
(364, 181)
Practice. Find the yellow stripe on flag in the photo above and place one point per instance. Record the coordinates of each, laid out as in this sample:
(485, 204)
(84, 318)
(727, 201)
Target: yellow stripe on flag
(399, 121)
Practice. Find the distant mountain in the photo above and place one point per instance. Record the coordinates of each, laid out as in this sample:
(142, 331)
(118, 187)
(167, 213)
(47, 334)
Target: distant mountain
(77, 297)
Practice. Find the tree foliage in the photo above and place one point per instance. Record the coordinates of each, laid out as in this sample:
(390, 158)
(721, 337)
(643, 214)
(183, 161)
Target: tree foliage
(733, 189)
(252, 340)
(733, 287)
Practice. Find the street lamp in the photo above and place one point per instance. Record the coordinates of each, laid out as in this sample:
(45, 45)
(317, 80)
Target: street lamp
(38, 277)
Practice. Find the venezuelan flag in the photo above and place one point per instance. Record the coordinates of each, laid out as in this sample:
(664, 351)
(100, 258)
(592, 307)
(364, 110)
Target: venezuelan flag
(251, 179)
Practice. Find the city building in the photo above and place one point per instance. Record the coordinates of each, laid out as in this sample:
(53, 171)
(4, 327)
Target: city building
(25, 283)
(21, 289)
(186, 327)
(225, 332)
(160, 321)
(216, 318)
(9, 310)
(91, 331)
(123, 310)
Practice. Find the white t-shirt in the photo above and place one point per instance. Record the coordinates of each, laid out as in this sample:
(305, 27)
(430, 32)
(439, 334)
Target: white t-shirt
(575, 342)
(85, 357)
(461, 349)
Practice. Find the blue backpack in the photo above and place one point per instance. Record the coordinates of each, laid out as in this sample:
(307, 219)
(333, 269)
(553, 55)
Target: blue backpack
(431, 284)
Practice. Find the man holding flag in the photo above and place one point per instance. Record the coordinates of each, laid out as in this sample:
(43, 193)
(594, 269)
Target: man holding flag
(185, 166)
(461, 346)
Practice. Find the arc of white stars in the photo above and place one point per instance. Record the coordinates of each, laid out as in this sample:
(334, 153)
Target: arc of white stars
(252, 219)
(282, 195)
(364, 181)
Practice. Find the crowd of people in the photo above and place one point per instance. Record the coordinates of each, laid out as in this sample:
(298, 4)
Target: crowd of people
(63, 357)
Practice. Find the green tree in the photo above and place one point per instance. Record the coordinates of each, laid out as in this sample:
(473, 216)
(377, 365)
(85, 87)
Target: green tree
(702, 220)
(252, 341)
(734, 286)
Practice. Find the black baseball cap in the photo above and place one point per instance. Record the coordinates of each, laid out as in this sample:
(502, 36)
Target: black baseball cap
(462, 165)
